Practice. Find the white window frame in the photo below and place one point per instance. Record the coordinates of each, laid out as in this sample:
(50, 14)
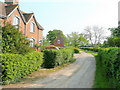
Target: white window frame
(16, 21)
(58, 41)
(32, 27)
(40, 40)
(32, 42)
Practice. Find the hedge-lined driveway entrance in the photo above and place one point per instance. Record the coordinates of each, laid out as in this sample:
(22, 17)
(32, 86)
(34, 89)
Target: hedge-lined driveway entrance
(80, 74)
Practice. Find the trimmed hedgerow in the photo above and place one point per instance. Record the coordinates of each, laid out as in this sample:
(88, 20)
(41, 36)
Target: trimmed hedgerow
(67, 55)
(53, 58)
(109, 59)
(90, 48)
(16, 66)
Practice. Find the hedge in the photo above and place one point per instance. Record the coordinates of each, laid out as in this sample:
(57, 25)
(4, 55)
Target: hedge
(67, 55)
(53, 58)
(76, 50)
(90, 49)
(16, 66)
(109, 59)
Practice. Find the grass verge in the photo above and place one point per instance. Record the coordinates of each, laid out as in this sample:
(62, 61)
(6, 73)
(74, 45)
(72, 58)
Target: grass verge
(101, 81)
(91, 52)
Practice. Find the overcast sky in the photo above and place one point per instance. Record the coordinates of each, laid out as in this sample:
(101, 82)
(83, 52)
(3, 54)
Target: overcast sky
(72, 15)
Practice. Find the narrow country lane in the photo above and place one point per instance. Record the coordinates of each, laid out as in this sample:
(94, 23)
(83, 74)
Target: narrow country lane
(80, 74)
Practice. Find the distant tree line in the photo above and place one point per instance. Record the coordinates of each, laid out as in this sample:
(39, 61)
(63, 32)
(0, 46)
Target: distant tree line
(92, 36)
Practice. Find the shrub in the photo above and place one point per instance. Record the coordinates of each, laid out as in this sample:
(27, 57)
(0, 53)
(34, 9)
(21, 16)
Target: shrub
(67, 54)
(95, 49)
(76, 50)
(109, 59)
(53, 58)
(13, 41)
(16, 66)
(61, 47)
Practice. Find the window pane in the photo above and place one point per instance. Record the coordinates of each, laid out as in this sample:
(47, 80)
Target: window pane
(16, 22)
(32, 27)
(32, 42)
(58, 41)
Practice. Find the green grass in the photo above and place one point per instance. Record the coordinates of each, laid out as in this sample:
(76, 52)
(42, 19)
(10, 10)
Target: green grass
(101, 81)
(91, 52)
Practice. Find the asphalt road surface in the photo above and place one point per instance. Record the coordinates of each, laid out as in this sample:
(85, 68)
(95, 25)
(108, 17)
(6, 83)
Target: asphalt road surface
(80, 74)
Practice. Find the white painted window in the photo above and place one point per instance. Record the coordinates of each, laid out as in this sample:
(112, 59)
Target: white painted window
(40, 41)
(32, 42)
(32, 27)
(16, 22)
(58, 41)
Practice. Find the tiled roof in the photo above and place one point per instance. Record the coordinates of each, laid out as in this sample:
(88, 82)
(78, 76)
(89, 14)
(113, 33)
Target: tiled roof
(6, 10)
(10, 8)
(39, 26)
(27, 16)
(2, 9)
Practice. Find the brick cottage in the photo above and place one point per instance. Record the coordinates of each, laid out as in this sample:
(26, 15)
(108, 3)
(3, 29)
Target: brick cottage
(25, 22)
(59, 41)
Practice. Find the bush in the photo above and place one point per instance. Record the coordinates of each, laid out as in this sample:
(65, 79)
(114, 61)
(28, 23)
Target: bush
(109, 59)
(91, 48)
(16, 66)
(76, 50)
(13, 41)
(67, 54)
(53, 58)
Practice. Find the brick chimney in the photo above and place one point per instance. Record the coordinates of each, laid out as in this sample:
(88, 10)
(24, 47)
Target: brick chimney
(12, 2)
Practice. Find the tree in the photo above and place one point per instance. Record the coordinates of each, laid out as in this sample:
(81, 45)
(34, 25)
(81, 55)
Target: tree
(95, 35)
(82, 39)
(115, 32)
(114, 39)
(13, 41)
(51, 36)
(75, 39)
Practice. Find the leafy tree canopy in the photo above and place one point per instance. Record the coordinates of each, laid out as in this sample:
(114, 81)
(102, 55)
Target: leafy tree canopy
(114, 40)
(51, 36)
(115, 32)
(75, 39)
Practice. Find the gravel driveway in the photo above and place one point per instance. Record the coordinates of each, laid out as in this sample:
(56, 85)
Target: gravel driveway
(80, 74)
